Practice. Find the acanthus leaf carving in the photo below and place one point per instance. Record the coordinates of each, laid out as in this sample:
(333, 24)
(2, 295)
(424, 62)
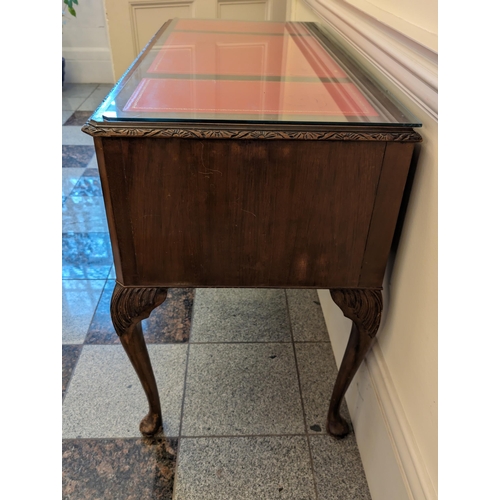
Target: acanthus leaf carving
(194, 133)
(362, 306)
(131, 305)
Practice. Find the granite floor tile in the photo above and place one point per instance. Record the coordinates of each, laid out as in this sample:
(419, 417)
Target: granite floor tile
(78, 89)
(105, 398)
(84, 214)
(72, 103)
(92, 163)
(78, 118)
(92, 102)
(86, 255)
(317, 372)
(306, 316)
(242, 389)
(168, 323)
(73, 135)
(112, 273)
(111, 469)
(91, 171)
(77, 156)
(88, 185)
(79, 300)
(66, 113)
(244, 468)
(102, 90)
(70, 355)
(70, 177)
(240, 315)
(338, 469)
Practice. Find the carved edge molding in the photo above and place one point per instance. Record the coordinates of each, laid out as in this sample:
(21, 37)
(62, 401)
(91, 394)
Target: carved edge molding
(363, 306)
(250, 134)
(131, 305)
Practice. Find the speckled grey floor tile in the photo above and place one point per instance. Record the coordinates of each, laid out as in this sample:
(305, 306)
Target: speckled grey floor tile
(338, 469)
(66, 113)
(262, 468)
(317, 372)
(242, 389)
(92, 102)
(73, 135)
(86, 255)
(106, 399)
(84, 214)
(93, 162)
(102, 90)
(70, 177)
(79, 300)
(78, 89)
(240, 315)
(306, 316)
(72, 103)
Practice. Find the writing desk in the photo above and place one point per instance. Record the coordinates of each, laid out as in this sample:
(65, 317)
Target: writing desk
(249, 154)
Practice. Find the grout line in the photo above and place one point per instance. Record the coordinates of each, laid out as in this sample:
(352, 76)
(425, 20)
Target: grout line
(220, 436)
(174, 489)
(215, 436)
(263, 342)
(301, 398)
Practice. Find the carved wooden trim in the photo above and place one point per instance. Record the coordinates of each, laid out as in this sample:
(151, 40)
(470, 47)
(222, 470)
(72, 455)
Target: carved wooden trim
(182, 133)
(363, 306)
(131, 305)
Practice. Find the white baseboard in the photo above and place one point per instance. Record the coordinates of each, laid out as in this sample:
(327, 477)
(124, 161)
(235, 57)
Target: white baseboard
(88, 65)
(386, 443)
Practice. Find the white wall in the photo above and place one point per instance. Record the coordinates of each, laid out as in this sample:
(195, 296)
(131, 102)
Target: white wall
(393, 399)
(85, 44)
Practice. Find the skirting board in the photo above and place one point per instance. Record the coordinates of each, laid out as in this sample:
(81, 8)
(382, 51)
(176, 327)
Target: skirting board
(384, 437)
(88, 65)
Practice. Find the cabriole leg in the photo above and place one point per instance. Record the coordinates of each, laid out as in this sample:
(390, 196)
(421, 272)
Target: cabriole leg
(128, 307)
(364, 308)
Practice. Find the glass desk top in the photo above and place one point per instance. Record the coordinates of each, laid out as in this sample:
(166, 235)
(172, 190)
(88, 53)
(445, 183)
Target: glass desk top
(234, 71)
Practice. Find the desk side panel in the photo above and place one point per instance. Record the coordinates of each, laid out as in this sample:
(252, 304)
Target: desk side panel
(390, 190)
(243, 213)
(108, 204)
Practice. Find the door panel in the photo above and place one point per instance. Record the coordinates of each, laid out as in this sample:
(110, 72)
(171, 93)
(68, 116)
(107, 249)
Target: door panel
(132, 23)
(243, 10)
(147, 18)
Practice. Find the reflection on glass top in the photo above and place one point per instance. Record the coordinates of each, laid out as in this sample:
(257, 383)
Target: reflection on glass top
(229, 71)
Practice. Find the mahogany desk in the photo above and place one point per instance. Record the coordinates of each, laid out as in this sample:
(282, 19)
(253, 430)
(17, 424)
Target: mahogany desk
(247, 154)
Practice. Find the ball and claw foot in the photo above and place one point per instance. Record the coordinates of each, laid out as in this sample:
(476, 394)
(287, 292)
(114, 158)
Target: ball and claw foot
(338, 427)
(150, 424)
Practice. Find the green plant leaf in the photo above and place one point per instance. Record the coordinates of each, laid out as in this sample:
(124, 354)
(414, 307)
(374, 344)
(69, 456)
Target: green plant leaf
(75, 2)
(71, 11)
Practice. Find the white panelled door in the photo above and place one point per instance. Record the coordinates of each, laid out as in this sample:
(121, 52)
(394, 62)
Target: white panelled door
(132, 23)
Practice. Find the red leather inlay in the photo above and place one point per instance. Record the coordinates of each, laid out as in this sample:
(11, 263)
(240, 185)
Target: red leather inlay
(244, 55)
(241, 97)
